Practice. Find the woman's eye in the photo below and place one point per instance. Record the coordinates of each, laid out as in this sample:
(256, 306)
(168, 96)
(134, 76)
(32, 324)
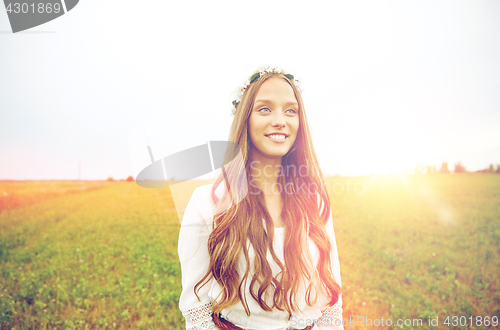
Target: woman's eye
(291, 111)
(261, 109)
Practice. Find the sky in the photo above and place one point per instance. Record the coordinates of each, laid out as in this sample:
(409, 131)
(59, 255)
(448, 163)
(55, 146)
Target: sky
(386, 84)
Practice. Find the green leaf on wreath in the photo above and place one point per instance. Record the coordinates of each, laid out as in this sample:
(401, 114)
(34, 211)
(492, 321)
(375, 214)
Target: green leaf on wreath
(255, 77)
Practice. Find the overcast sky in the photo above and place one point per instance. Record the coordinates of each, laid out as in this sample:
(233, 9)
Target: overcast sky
(385, 83)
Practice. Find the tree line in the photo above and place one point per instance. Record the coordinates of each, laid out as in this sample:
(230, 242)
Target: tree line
(458, 168)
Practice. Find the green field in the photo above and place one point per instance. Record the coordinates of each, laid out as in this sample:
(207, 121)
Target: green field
(103, 255)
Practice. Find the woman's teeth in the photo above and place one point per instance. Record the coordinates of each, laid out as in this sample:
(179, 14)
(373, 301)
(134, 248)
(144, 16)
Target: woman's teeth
(277, 136)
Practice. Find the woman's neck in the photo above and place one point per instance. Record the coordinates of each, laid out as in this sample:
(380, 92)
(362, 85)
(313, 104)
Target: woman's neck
(264, 173)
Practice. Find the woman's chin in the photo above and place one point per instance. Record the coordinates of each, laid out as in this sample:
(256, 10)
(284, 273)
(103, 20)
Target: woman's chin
(270, 152)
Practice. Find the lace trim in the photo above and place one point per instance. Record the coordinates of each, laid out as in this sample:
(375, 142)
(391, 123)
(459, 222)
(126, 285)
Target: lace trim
(332, 316)
(200, 318)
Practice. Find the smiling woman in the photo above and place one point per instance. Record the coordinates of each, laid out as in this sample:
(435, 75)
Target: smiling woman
(274, 121)
(270, 261)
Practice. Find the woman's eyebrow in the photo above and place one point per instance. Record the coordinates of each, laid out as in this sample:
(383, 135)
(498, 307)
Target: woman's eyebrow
(272, 102)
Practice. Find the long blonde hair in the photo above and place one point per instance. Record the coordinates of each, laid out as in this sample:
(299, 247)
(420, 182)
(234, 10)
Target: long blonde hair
(302, 217)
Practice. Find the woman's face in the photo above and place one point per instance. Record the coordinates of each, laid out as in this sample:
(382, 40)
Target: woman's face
(274, 121)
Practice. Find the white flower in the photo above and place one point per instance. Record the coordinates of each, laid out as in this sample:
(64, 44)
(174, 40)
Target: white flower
(238, 94)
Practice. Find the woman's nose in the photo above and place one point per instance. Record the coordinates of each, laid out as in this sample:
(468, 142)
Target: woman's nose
(278, 120)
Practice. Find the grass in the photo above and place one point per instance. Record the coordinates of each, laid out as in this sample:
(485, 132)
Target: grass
(97, 255)
(419, 247)
(101, 259)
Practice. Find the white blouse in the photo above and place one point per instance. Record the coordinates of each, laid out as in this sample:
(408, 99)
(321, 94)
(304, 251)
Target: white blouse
(193, 253)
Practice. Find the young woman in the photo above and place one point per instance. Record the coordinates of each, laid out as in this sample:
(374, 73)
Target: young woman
(260, 253)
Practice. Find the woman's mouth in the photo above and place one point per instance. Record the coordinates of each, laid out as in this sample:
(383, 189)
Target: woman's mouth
(277, 137)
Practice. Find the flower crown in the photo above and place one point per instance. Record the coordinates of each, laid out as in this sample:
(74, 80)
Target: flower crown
(256, 76)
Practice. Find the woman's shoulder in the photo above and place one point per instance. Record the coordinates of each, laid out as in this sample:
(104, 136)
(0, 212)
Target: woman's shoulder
(202, 196)
(201, 203)
(204, 193)
(203, 190)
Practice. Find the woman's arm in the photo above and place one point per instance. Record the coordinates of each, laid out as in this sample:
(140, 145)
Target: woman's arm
(332, 315)
(193, 254)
